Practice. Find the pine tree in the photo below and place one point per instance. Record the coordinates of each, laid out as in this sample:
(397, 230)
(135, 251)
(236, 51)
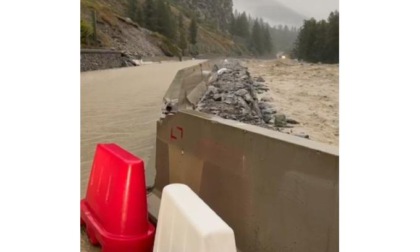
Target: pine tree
(268, 44)
(257, 38)
(171, 23)
(333, 40)
(161, 16)
(132, 9)
(232, 26)
(242, 26)
(140, 16)
(149, 17)
(182, 40)
(319, 41)
(193, 31)
(320, 45)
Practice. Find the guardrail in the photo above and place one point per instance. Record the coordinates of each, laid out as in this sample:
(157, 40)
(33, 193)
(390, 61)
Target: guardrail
(99, 51)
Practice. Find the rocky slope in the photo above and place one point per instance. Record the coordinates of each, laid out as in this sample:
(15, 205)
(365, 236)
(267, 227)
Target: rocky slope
(115, 31)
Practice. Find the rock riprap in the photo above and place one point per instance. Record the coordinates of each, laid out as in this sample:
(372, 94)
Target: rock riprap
(233, 95)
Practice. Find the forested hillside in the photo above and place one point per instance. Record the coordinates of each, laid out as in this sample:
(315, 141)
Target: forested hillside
(318, 41)
(180, 27)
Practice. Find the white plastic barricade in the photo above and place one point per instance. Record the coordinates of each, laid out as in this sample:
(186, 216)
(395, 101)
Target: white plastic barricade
(187, 224)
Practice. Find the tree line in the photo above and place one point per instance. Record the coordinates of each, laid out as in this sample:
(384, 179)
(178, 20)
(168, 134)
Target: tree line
(318, 41)
(156, 15)
(283, 37)
(260, 37)
(254, 33)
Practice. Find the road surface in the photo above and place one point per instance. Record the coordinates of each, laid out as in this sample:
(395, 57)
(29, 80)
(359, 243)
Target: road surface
(122, 106)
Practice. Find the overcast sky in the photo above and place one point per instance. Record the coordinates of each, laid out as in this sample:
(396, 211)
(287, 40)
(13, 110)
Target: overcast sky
(319, 9)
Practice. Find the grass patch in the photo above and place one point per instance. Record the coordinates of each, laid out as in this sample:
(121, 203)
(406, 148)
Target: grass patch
(86, 33)
(103, 12)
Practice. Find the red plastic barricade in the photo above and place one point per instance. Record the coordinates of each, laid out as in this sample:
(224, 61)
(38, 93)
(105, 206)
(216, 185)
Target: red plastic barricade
(115, 208)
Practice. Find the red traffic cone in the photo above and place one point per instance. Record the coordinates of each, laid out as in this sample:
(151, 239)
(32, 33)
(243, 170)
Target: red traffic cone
(115, 208)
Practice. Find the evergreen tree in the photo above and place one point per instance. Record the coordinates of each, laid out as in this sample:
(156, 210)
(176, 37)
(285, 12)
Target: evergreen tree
(320, 46)
(132, 9)
(139, 19)
(150, 15)
(268, 44)
(242, 26)
(182, 39)
(333, 40)
(161, 17)
(319, 41)
(232, 26)
(172, 27)
(193, 31)
(257, 38)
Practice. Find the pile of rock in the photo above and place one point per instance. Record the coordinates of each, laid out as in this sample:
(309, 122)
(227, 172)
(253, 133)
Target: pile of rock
(233, 95)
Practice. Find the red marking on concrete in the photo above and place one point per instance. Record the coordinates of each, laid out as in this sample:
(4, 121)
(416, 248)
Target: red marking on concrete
(172, 135)
(182, 131)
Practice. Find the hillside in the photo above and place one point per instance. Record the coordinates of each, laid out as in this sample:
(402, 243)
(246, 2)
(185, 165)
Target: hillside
(115, 30)
(216, 12)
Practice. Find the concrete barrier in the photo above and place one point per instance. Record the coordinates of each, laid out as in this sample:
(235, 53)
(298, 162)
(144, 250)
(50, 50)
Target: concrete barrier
(278, 192)
(189, 85)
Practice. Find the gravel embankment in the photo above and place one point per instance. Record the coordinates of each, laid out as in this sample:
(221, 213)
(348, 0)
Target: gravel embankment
(235, 95)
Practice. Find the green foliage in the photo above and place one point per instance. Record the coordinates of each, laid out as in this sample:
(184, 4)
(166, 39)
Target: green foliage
(283, 38)
(232, 25)
(182, 39)
(193, 31)
(333, 37)
(259, 38)
(135, 12)
(150, 10)
(240, 26)
(86, 32)
(156, 16)
(165, 24)
(132, 9)
(140, 16)
(267, 41)
(319, 41)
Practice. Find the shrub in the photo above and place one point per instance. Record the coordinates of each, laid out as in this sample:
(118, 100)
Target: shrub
(86, 32)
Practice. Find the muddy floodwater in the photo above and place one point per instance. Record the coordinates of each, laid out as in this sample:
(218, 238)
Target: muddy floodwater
(308, 93)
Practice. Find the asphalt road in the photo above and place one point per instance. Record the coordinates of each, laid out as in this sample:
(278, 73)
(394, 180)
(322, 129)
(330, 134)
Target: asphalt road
(122, 106)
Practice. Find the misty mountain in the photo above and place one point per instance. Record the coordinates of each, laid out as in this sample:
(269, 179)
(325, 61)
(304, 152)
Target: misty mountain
(270, 10)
